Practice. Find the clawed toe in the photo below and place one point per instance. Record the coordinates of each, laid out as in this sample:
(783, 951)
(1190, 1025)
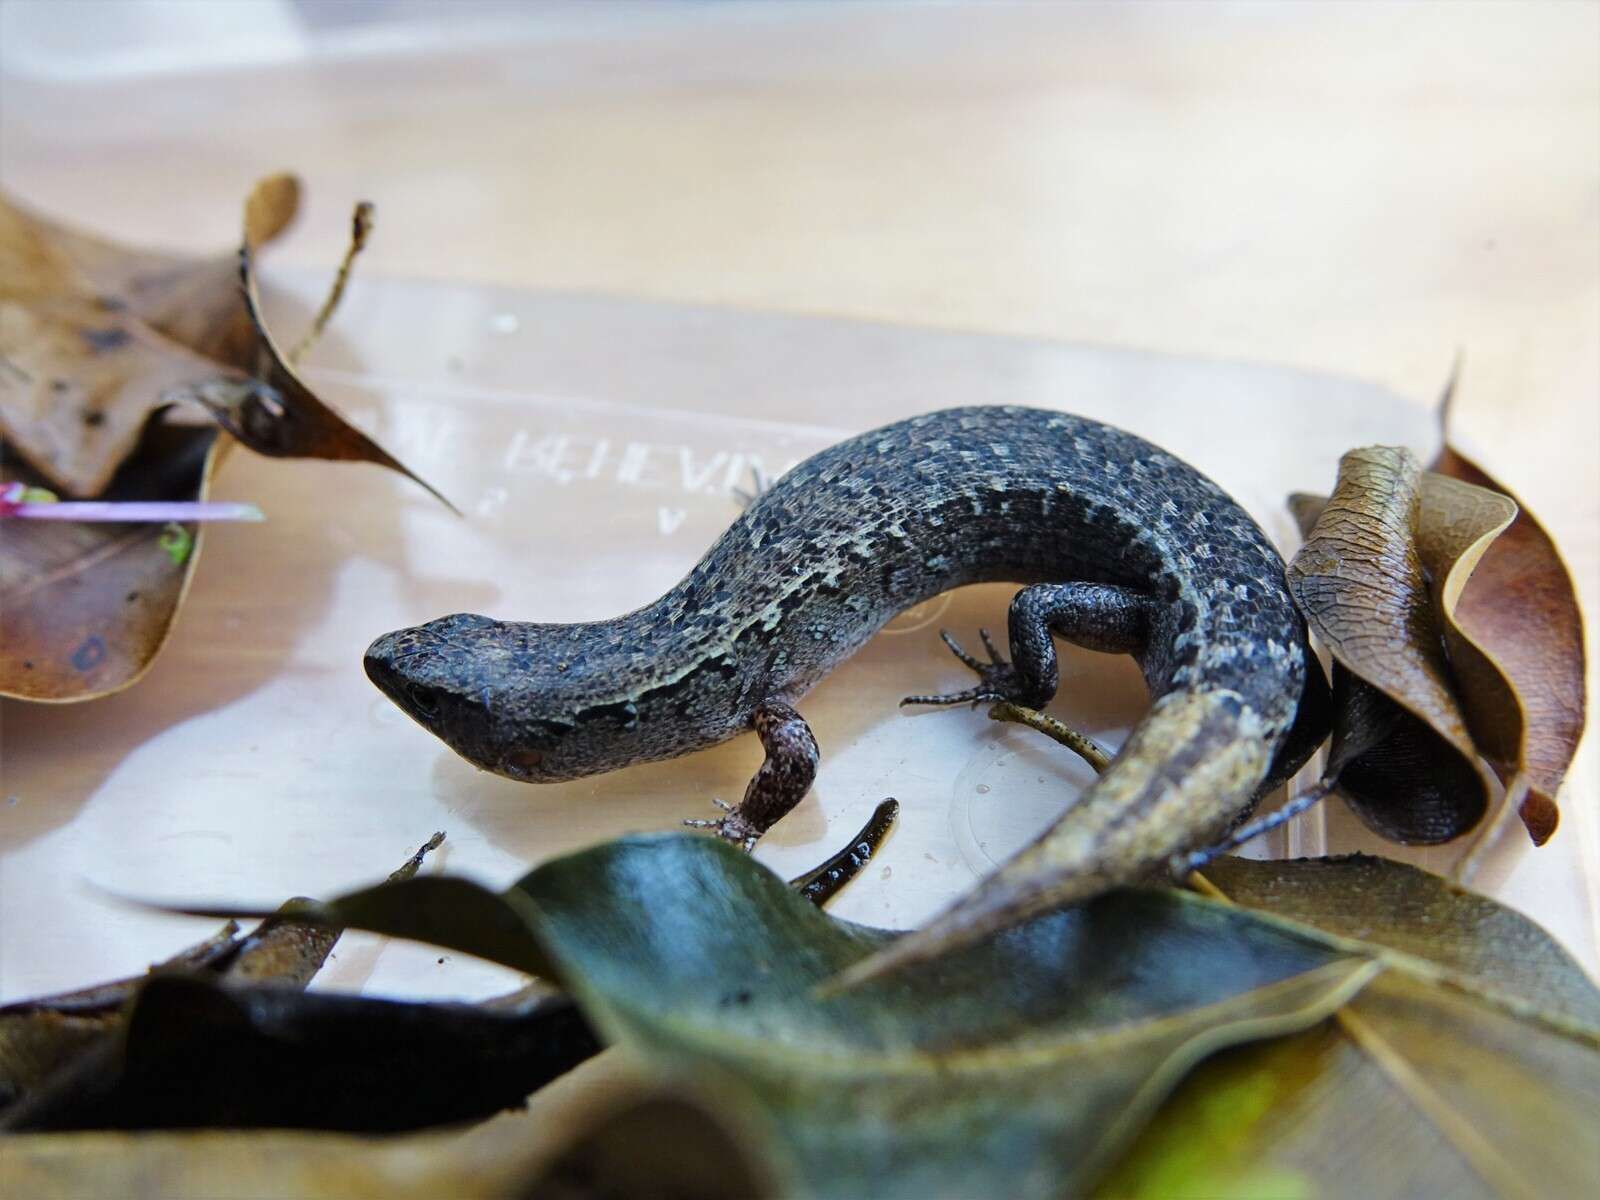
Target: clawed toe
(730, 828)
(997, 679)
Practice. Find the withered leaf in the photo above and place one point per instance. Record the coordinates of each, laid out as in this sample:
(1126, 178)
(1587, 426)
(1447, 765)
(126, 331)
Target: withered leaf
(197, 1051)
(661, 1146)
(85, 607)
(100, 349)
(566, 1145)
(1402, 752)
(287, 419)
(40, 1036)
(96, 337)
(1520, 605)
(194, 302)
(1513, 634)
(1456, 524)
(79, 385)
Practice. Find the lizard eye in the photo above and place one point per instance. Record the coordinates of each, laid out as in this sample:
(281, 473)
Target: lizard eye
(422, 700)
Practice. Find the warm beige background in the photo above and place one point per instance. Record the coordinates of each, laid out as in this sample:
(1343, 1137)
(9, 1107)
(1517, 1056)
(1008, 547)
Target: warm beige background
(1359, 188)
(1354, 189)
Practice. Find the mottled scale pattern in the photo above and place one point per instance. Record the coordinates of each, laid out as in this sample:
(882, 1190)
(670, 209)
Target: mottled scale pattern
(837, 547)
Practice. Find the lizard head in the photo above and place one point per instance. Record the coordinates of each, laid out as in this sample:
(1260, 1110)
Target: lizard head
(513, 697)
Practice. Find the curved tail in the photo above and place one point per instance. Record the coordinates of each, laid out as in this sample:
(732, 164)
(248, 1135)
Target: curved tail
(1188, 772)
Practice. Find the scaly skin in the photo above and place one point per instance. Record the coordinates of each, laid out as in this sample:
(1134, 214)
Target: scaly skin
(1177, 573)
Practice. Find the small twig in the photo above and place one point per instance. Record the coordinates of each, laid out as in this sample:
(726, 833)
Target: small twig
(413, 864)
(360, 227)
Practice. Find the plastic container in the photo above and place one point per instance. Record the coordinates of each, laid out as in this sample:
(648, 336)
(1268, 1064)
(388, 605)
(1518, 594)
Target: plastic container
(592, 444)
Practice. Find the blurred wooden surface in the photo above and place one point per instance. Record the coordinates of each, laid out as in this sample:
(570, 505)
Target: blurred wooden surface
(1355, 189)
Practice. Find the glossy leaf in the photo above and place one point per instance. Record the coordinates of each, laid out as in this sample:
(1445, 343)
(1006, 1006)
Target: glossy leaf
(1472, 1068)
(1018, 1067)
(1472, 942)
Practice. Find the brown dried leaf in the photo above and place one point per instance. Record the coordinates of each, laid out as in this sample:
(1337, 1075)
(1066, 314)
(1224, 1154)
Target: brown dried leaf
(99, 348)
(673, 1147)
(40, 1036)
(85, 607)
(287, 419)
(1520, 605)
(194, 302)
(1511, 623)
(1402, 752)
(1456, 524)
(78, 386)
(195, 1051)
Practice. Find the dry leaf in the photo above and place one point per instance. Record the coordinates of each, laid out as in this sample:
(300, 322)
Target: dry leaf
(79, 385)
(1402, 753)
(1514, 636)
(286, 419)
(1456, 524)
(100, 348)
(197, 1051)
(85, 607)
(1521, 606)
(598, 1128)
(193, 302)
(40, 1036)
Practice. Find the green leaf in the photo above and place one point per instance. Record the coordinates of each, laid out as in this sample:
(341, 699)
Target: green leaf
(1470, 1068)
(1443, 931)
(1019, 1067)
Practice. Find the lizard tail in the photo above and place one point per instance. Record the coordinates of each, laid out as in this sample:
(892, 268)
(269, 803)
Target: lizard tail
(1189, 770)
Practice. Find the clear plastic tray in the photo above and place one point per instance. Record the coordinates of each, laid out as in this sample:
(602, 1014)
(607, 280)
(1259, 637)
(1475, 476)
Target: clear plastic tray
(591, 443)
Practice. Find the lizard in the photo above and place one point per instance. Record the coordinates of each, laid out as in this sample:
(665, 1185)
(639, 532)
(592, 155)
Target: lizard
(1120, 546)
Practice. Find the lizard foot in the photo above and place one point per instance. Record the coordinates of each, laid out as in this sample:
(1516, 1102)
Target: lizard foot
(730, 828)
(997, 678)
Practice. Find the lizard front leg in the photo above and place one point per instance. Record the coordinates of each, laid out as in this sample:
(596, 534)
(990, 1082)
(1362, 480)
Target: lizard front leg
(778, 785)
(1097, 616)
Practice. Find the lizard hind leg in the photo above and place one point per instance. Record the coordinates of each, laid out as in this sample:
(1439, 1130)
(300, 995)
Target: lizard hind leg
(1099, 616)
(783, 778)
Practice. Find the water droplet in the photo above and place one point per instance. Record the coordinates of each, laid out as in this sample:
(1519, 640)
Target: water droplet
(505, 322)
(982, 789)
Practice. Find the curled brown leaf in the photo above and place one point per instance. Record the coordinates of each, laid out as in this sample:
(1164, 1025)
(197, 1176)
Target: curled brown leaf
(1402, 750)
(286, 419)
(1520, 604)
